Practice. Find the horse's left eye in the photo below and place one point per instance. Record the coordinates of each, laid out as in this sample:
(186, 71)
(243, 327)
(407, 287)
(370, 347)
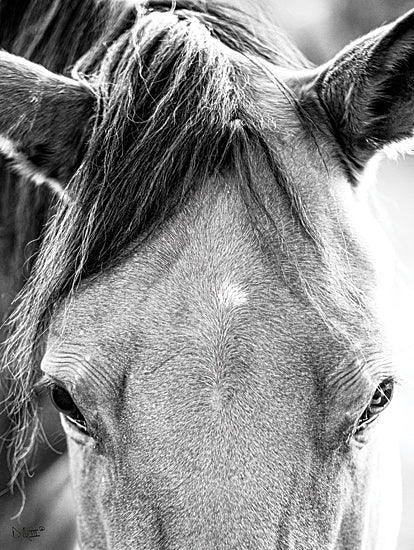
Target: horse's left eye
(64, 403)
(380, 400)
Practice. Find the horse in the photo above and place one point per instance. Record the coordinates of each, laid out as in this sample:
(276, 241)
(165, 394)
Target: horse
(204, 302)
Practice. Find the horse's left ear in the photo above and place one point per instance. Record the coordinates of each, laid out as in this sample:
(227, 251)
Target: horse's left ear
(44, 121)
(367, 91)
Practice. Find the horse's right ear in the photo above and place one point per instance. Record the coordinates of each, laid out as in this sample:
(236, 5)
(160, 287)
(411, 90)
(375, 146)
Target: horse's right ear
(44, 120)
(367, 91)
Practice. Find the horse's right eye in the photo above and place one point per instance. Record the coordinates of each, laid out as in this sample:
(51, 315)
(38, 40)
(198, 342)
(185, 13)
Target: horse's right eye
(380, 401)
(64, 403)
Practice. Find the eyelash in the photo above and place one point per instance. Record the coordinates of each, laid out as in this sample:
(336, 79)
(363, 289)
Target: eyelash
(379, 402)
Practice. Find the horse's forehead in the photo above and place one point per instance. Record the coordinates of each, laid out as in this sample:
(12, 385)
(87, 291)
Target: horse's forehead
(205, 264)
(205, 289)
(213, 291)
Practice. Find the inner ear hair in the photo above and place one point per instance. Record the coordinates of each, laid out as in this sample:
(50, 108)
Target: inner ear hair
(45, 120)
(367, 91)
(24, 167)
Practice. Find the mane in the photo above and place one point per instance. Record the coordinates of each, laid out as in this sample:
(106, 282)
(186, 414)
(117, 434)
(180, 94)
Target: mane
(173, 113)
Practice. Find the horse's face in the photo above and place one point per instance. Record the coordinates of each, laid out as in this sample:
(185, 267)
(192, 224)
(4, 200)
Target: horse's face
(220, 407)
(221, 386)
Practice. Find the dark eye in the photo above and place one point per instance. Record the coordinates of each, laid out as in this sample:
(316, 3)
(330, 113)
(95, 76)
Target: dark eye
(380, 400)
(65, 404)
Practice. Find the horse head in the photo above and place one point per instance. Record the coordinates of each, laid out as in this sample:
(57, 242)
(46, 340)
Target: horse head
(205, 303)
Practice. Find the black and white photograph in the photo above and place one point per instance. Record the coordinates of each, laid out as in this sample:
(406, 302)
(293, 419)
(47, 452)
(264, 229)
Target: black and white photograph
(207, 275)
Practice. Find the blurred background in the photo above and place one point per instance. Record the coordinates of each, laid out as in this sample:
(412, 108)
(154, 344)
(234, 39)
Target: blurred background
(320, 28)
